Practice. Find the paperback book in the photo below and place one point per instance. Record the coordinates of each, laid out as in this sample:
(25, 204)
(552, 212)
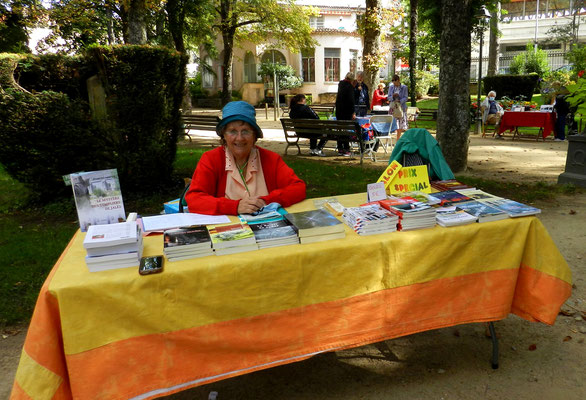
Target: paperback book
(449, 184)
(98, 198)
(231, 235)
(188, 238)
(370, 219)
(113, 246)
(451, 216)
(314, 222)
(478, 195)
(513, 208)
(276, 233)
(450, 197)
(484, 212)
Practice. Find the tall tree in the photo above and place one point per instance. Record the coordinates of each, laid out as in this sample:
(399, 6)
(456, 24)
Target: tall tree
(282, 22)
(374, 27)
(412, 49)
(453, 120)
(493, 46)
(17, 17)
(137, 32)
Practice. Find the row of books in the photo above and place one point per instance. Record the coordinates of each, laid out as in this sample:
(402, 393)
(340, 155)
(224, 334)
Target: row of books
(112, 246)
(293, 228)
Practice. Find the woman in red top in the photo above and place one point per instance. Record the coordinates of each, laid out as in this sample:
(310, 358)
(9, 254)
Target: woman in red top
(239, 177)
(379, 96)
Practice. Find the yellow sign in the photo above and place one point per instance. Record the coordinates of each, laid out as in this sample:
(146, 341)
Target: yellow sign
(410, 179)
(390, 173)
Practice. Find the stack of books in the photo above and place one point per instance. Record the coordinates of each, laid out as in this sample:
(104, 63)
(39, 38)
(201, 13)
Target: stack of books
(450, 197)
(370, 219)
(316, 226)
(478, 195)
(273, 234)
(451, 216)
(482, 211)
(188, 242)
(513, 208)
(412, 214)
(231, 238)
(449, 184)
(113, 246)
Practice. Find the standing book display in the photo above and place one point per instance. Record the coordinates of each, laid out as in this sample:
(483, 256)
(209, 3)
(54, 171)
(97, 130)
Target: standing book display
(98, 198)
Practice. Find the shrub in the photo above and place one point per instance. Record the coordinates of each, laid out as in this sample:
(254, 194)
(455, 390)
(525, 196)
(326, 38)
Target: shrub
(50, 134)
(424, 80)
(577, 57)
(196, 90)
(531, 61)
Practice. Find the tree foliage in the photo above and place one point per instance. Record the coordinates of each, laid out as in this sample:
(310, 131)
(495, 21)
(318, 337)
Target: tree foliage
(17, 17)
(532, 60)
(286, 78)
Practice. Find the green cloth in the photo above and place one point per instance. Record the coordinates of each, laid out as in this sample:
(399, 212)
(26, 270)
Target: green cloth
(418, 140)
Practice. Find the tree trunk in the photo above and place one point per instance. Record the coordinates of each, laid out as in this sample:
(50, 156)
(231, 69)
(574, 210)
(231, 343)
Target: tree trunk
(413, 51)
(176, 16)
(137, 22)
(453, 122)
(493, 48)
(110, 22)
(228, 39)
(372, 47)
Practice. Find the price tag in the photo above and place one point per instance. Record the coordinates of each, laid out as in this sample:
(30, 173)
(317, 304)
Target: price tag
(376, 191)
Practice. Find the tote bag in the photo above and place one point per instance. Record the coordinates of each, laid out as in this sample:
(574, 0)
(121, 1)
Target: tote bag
(397, 110)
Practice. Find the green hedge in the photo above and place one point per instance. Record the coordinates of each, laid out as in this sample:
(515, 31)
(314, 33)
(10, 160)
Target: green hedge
(51, 132)
(511, 86)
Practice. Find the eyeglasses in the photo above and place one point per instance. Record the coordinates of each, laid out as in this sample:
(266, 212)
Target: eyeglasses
(244, 133)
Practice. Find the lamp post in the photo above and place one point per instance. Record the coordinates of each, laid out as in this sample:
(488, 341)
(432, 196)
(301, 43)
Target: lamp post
(483, 15)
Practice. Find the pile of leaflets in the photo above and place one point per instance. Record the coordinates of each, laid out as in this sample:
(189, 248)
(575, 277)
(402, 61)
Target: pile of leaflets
(188, 242)
(113, 246)
(370, 219)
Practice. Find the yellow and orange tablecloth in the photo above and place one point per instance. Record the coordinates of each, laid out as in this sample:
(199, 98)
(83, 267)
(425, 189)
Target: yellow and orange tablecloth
(118, 335)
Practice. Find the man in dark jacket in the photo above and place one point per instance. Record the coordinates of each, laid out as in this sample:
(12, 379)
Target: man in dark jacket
(299, 110)
(345, 109)
(361, 96)
(562, 108)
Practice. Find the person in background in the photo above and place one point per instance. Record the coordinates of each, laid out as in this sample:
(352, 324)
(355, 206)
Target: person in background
(299, 110)
(345, 109)
(240, 177)
(562, 109)
(398, 93)
(491, 112)
(379, 97)
(361, 97)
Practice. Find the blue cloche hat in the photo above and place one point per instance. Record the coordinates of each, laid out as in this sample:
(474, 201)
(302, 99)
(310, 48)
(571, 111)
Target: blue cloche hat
(238, 111)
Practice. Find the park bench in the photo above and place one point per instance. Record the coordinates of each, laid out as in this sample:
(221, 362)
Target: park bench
(202, 122)
(415, 114)
(327, 109)
(296, 129)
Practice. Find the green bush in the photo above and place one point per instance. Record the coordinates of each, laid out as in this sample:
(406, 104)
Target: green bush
(424, 81)
(531, 61)
(577, 56)
(50, 134)
(196, 90)
(511, 86)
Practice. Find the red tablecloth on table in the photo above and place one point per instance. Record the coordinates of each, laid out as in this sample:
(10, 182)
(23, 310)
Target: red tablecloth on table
(534, 119)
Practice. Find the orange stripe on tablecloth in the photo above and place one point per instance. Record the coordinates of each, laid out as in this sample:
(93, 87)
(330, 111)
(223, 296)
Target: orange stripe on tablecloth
(164, 360)
(534, 286)
(43, 342)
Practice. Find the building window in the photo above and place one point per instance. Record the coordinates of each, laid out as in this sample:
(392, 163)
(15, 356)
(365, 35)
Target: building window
(332, 65)
(353, 61)
(308, 65)
(207, 76)
(316, 22)
(273, 56)
(250, 71)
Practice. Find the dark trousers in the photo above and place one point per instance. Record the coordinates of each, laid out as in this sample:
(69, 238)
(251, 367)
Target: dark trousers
(343, 145)
(560, 127)
(313, 143)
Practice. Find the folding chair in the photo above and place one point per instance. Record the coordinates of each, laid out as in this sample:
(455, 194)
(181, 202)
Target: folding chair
(383, 124)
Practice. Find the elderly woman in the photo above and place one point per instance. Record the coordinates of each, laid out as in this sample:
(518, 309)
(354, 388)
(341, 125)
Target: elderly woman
(240, 177)
(398, 94)
(379, 97)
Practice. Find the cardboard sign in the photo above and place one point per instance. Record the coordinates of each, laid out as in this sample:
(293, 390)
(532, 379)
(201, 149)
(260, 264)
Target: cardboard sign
(376, 191)
(410, 179)
(389, 174)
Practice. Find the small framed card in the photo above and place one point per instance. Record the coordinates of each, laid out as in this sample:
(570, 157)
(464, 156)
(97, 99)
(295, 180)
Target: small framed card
(376, 191)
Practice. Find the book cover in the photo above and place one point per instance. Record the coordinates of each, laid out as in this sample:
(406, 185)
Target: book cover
(98, 198)
(186, 238)
(314, 222)
(450, 197)
(231, 235)
(451, 216)
(513, 208)
(322, 238)
(478, 195)
(482, 211)
(270, 231)
(102, 236)
(449, 184)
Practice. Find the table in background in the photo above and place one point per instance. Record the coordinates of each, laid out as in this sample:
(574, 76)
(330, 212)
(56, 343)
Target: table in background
(512, 120)
(116, 334)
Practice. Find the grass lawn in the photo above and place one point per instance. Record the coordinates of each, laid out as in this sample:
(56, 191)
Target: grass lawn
(32, 237)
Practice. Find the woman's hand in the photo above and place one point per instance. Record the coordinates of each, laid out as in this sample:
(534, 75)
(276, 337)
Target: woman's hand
(250, 205)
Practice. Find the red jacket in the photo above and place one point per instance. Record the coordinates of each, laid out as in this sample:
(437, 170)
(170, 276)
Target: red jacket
(207, 192)
(377, 98)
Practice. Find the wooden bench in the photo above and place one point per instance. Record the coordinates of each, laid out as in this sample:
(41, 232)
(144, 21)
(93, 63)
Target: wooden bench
(415, 114)
(202, 122)
(325, 129)
(328, 109)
